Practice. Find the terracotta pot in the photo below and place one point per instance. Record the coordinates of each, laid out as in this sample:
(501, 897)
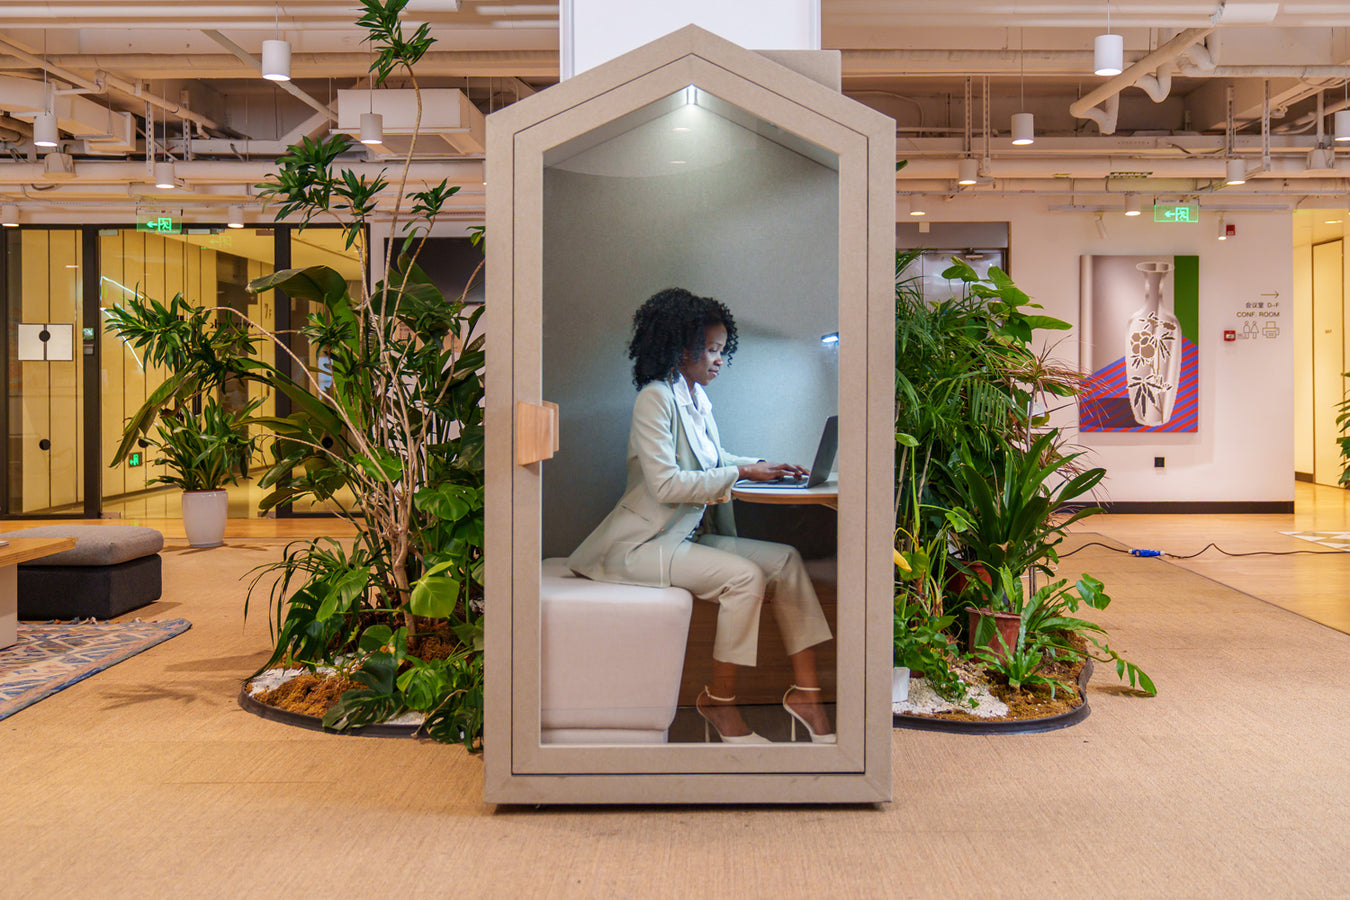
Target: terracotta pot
(958, 582)
(1006, 628)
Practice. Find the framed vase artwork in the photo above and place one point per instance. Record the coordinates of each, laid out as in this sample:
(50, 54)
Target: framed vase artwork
(1138, 344)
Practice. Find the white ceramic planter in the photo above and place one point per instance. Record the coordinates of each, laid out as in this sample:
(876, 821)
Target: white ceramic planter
(204, 514)
(899, 684)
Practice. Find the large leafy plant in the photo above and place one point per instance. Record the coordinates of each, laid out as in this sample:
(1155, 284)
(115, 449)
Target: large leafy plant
(390, 431)
(982, 476)
(204, 451)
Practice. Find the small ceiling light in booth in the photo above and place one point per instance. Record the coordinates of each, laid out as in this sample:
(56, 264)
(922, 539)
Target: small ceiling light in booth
(1237, 172)
(9, 215)
(372, 128)
(916, 205)
(831, 338)
(45, 133)
(1131, 204)
(164, 175)
(235, 217)
(1108, 50)
(967, 170)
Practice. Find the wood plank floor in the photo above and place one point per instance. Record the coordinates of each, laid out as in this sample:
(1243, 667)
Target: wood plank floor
(148, 780)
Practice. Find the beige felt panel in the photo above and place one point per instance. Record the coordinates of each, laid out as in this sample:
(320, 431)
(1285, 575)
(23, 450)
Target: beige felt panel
(66, 397)
(35, 386)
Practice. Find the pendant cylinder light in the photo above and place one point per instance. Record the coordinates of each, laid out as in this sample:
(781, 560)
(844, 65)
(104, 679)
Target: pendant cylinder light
(1108, 54)
(1237, 172)
(45, 133)
(1023, 129)
(235, 217)
(1223, 230)
(1131, 204)
(164, 175)
(1343, 125)
(9, 215)
(967, 170)
(372, 128)
(916, 205)
(276, 60)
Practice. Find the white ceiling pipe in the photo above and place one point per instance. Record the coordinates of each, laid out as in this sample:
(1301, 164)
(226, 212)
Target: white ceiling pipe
(1016, 164)
(457, 63)
(1268, 72)
(108, 81)
(259, 16)
(1163, 56)
(1158, 85)
(240, 172)
(1106, 116)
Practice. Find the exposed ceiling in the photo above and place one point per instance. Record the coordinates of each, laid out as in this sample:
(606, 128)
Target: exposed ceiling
(950, 73)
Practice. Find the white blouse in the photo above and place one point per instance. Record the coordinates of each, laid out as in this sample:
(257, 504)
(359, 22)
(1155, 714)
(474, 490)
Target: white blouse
(696, 411)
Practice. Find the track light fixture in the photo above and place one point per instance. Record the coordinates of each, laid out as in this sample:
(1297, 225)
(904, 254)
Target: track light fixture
(1023, 129)
(235, 217)
(916, 205)
(967, 170)
(276, 54)
(1108, 50)
(164, 175)
(1343, 125)
(1131, 204)
(9, 215)
(45, 133)
(1237, 172)
(372, 128)
(1223, 229)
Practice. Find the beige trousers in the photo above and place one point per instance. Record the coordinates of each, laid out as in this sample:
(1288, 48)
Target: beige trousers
(735, 573)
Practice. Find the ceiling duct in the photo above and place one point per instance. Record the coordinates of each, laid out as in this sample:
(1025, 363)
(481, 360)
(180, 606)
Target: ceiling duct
(448, 118)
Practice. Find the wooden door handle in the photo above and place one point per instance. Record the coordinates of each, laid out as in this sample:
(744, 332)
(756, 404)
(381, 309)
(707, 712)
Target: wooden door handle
(536, 432)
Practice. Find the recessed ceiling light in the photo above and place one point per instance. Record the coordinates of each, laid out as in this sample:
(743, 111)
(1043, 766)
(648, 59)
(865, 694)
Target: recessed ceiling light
(680, 128)
(677, 162)
(1332, 222)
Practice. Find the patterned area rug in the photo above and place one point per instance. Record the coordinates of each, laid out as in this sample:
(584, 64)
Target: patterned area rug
(1336, 540)
(52, 656)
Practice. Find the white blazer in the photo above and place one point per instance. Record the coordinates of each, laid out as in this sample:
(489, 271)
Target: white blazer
(665, 496)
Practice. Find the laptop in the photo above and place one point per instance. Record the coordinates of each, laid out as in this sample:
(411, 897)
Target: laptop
(820, 469)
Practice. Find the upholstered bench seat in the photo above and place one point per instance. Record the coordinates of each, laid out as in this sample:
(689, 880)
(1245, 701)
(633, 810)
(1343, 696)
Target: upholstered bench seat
(111, 570)
(611, 657)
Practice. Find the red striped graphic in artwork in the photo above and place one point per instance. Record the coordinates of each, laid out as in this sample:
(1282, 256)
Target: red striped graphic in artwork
(1105, 403)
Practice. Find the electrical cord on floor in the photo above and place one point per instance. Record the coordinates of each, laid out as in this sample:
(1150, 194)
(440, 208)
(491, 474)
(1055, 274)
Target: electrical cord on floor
(1139, 552)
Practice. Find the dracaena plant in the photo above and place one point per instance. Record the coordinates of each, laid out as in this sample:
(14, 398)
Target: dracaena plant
(393, 422)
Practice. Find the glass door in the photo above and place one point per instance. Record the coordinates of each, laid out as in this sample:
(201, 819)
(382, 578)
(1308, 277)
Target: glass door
(43, 379)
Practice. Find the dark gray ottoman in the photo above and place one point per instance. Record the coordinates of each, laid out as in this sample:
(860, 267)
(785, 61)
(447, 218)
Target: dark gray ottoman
(111, 570)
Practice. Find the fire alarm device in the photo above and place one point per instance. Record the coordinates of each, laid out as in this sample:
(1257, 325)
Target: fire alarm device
(1230, 335)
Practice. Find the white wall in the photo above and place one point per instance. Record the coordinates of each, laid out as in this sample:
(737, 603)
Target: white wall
(1244, 448)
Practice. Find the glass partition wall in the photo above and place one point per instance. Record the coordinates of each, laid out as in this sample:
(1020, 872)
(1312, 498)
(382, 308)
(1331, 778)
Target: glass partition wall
(44, 378)
(69, 384)
(696, 193)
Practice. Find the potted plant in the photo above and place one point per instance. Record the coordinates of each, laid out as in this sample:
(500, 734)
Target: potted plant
(201, 454)
(395, 420)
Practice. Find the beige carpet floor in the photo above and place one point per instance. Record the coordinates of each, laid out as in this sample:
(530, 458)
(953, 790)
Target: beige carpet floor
(149, 781)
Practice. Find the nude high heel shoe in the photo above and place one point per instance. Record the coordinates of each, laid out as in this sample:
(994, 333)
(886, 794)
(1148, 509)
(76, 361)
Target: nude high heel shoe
(750, 738)
(815, 738)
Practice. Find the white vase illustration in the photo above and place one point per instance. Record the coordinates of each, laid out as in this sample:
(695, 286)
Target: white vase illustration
(1153, 357)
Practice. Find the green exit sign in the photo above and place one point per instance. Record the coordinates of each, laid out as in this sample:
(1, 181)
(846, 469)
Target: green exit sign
(160, 224)
(1176, 212)
(134, 459)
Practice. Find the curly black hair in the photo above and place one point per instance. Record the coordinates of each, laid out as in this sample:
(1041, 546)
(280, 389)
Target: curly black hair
(669, 324)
